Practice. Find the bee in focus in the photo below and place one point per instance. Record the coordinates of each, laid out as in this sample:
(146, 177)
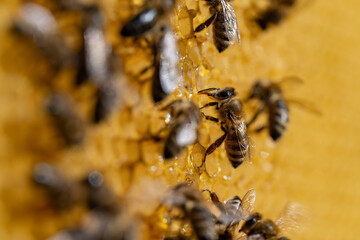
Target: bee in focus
(274, 13)
(95, 50)
(190, 200)
(66, 119)
(256, 227)
(154, 11)
(225, 28)
(232, 119)
(185, 119)
(38, 23)
(232, 211)
(63, 193)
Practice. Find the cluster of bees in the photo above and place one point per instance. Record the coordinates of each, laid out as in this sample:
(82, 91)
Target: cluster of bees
(97, 62)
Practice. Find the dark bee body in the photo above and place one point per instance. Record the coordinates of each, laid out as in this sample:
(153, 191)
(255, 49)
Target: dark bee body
(68, 122)
(271, 97)
(147, 19)
(189, 199)
(185, 119)
(166, 75)
(109, 91)
(99, 196)
(257, 228)
(225, 28)
(232, 120)
(63, 193)
(95, 51)
(232, 212)
(274, 14)
(236, 141)
(108, 98)
(39, 24)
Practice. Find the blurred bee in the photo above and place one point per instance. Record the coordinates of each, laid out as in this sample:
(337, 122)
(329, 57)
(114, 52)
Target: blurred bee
(184, 122)
(232, 120)
(144, 21)
(63, 193)
(68, 122)
(256, 227)
(91, 227)
(271, 98)
(100, 197)
(166, 75)
(109, 93)
(190, 200)
(39, 24)
(225, 28)
(274, 13)
(95, 50)
(232, 212)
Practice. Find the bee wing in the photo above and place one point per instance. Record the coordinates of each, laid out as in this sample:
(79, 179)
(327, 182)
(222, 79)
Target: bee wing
(241, 126)
(247, 203)
(230, 20)
(292, 218)
(307, 105)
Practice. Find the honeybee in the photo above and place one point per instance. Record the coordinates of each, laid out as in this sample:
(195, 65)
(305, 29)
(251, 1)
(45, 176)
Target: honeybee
(92, 227)
(39, 24)
(184, 122)
(63, 193)
(100, 197)
(66, 119)
(232, 120)
(190, 200)
(144, 21)
(225, 28)
(109, 94)
(95, 50)
(255, 227)
(232, 212)
(166, 75)
(271, 98)
(274, 13)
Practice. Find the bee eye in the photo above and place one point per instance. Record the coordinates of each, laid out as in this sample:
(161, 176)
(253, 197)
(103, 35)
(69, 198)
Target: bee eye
(224, 94)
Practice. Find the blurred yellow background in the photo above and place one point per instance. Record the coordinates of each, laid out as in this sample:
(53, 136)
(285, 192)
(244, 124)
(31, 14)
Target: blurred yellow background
(315, 164)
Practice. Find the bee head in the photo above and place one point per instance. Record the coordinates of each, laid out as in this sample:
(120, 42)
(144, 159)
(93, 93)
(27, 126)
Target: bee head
(219, 94)
(250, 222)
(257, 91)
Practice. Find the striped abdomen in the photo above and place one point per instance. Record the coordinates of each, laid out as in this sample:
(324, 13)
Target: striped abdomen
(278, 118)
(202, 222)
(236, 145)
(221, 38)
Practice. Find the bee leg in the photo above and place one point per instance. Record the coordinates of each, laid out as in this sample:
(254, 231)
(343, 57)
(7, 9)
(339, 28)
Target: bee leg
(206, 23)
(259, 129)
(216, 104)
(210, 118)
(260, 110)
(213, 147)
(205, 91)
(215, 200)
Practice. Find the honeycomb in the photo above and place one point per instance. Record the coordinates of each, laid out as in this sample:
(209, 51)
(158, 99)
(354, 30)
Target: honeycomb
(314, 164)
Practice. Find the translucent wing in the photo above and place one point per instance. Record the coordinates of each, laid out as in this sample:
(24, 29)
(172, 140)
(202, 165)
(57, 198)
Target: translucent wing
(241, 127)
(292, 218)
(307, 105)
(232, 29)
(247, 203)
(291, 79)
